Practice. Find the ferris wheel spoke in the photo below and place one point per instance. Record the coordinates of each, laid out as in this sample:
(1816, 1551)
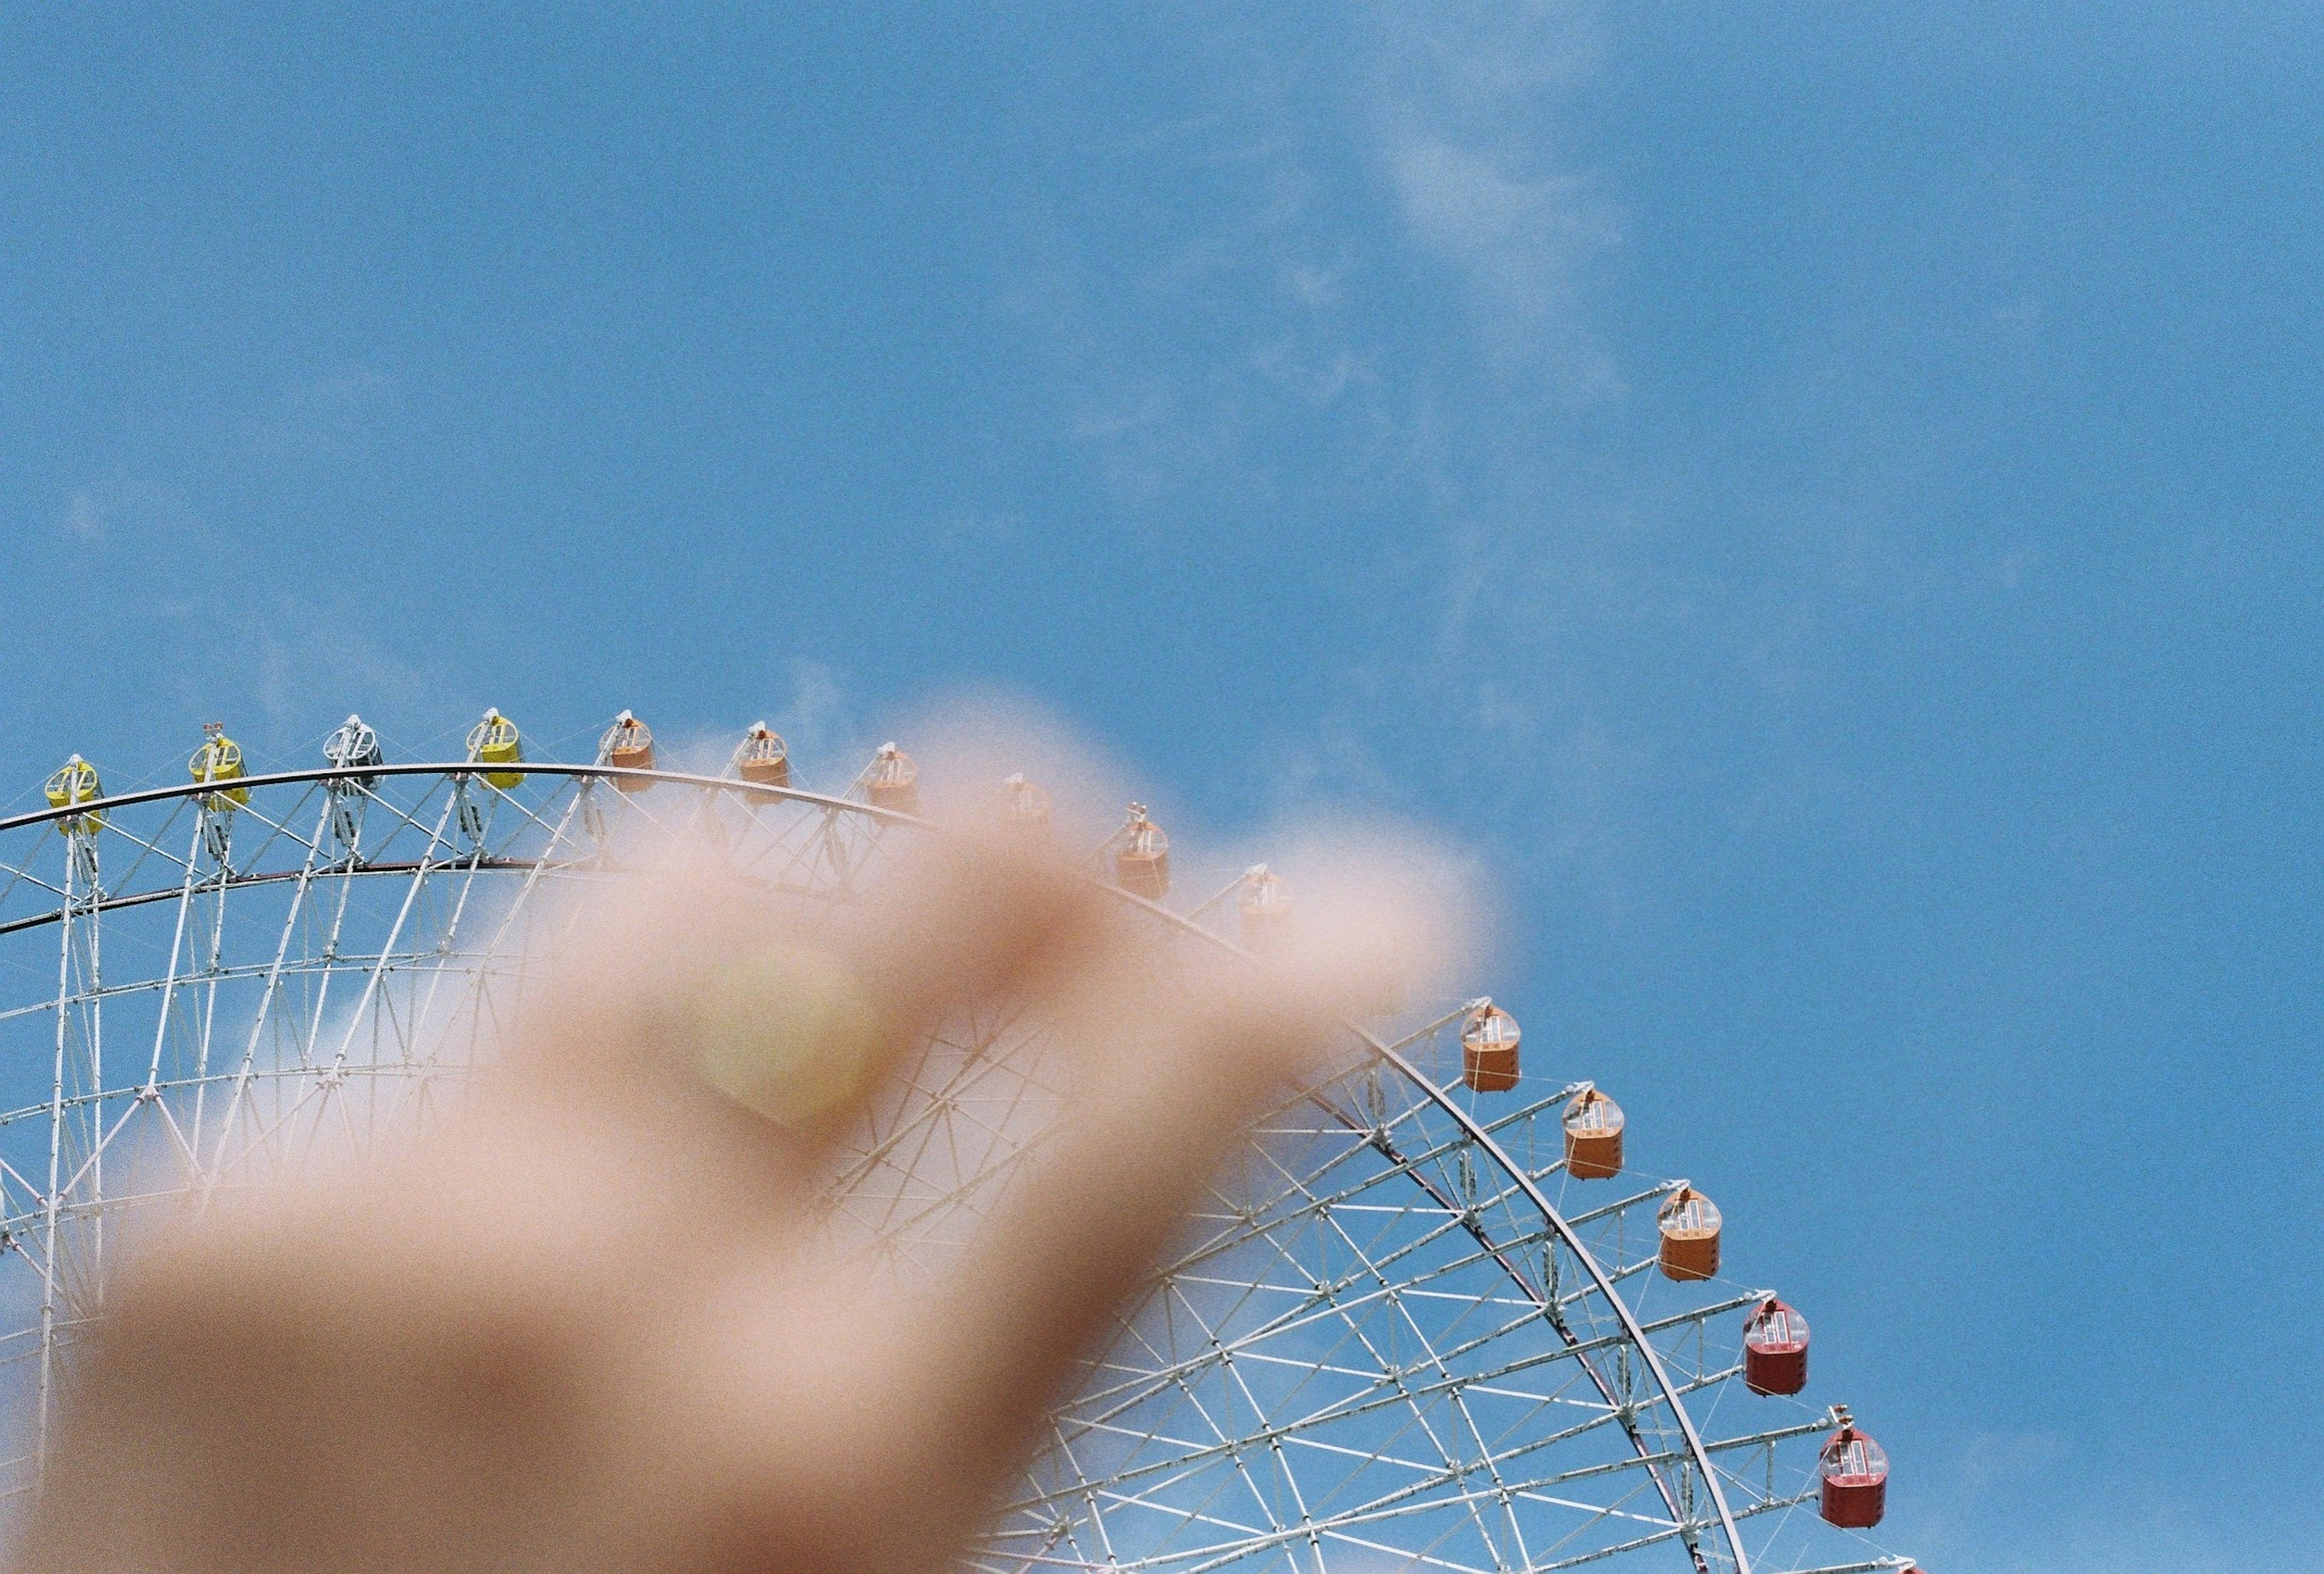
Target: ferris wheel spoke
(1628, 1412)
(1779, 1504)
(277, 829)
(1260, 1412)
(446, 937)
(647, 815)
(21, 876)
(571, 793)
(1250, 1539)
(797, 855)
(414, 818)
(805, 840)
(821, 858)
(1585, 1516)
(923, 1110)
(1459, 1399)
(265, 1011)
(1320, 1303)
(1677, 1455)
(1553, 1353)
(1207, 1510)
(167, 1009)
(146, 849)
(1125, 1396)
(309, 1095)
(1311, 1202)
(1143, 1382)
(1378, 1360)
(13, 1176)
(128, 988)
(213, 828)
(1237, 1482)
(928, 1106)
(91, 1200)
(333, 939)
(375, 978)
(969, 1200)
(1651, 1196)
(77, 968)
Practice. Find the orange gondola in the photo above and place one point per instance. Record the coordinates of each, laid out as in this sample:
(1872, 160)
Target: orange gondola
(893, 781)
(1854, 1470)
(629, 744)
(762, 758)
(1264, 905)
(1142, 857)
(1774, 1348)
(1594, 1136)
(1488, 1049)
(1024, 813)
(1690, 1224)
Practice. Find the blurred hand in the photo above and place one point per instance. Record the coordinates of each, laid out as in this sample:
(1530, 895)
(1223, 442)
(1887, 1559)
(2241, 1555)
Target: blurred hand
(592, 1321)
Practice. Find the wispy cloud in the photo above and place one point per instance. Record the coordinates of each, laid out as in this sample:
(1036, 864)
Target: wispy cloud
(119, 509)
(1468, 125)
(324, 417)
(1366, 285)
(820, 726)
(84, 518)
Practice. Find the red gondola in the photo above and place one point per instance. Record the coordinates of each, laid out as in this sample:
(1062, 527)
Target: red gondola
(1774, 1348)
(1855, 1472)
(1142, 857)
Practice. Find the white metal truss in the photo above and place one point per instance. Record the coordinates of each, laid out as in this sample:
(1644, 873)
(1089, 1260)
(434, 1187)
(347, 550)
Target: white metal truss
(1396, 1333)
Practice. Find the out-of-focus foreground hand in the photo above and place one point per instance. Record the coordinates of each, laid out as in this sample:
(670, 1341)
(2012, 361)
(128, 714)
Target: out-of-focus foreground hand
(592, 1322)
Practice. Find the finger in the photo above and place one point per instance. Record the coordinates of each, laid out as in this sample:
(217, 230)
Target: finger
(687, 974)
(1167, 1077)
(947, 1383)
(1164, 1086)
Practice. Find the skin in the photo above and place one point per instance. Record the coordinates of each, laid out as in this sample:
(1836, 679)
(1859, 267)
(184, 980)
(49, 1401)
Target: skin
(589, 1321)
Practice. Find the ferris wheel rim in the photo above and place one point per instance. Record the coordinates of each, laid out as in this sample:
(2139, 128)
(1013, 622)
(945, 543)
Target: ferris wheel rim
(98, 807)
(1490, 1146)
(94, 809)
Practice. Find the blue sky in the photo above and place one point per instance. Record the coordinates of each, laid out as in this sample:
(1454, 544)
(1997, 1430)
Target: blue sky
(1822, 498)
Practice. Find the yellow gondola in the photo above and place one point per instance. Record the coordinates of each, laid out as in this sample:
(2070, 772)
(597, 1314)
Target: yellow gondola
(75, 782)
(219, 759)
(494, 740)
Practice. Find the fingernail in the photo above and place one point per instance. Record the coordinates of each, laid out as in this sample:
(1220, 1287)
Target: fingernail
(790, 1033)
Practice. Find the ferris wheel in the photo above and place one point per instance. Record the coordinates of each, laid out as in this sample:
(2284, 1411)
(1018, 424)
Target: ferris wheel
(1430, 1319)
